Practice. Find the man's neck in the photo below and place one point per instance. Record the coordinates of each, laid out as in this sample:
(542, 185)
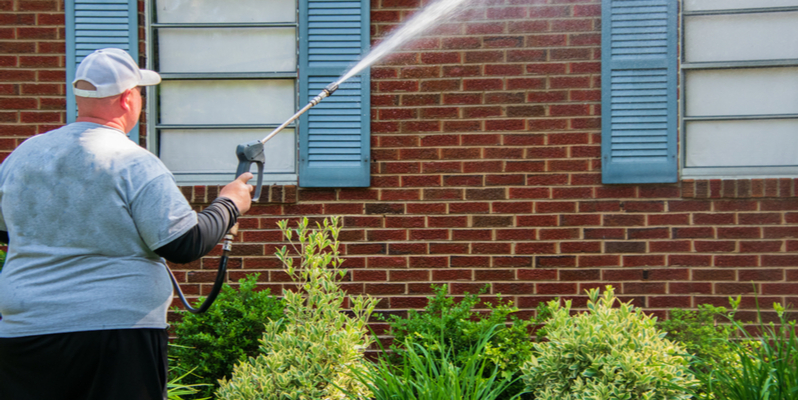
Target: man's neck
(101, 121)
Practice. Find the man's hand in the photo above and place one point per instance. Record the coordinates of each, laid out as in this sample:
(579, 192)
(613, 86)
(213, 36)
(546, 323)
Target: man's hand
(239, 192)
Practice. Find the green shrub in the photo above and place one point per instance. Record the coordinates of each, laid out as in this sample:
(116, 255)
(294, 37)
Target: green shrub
(703, 337)
(606, 353)
(767, 367)
(314, 356)
(211, 343)
(460, 329)
(426, 374)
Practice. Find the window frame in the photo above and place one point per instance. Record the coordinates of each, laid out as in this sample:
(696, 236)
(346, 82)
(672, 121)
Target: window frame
(733, 172)
(153, 93)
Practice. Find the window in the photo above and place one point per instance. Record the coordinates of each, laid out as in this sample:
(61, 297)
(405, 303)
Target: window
(739, 76)
(229, 73)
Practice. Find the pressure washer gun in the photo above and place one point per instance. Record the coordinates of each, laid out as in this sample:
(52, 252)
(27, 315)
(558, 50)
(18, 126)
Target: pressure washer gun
(253, 152)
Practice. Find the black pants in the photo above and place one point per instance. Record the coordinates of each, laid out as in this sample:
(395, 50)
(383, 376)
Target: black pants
(93, 365)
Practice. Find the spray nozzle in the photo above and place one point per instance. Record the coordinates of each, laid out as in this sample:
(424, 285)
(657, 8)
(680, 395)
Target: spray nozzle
(331, 88)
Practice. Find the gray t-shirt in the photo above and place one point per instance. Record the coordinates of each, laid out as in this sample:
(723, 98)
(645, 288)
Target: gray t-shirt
(84, 208)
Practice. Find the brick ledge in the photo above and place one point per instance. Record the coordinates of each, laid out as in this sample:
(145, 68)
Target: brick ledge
(280, 194)
(738, 188)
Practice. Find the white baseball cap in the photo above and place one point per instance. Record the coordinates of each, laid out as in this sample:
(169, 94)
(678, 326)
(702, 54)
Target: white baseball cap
(111, 71)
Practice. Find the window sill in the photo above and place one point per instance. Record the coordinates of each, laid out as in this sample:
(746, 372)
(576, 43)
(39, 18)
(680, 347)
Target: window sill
(738, 188)
(274, 194)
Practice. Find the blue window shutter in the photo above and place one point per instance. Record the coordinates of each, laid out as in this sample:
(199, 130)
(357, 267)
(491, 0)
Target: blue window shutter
(334, 135)
(640, 91)
(98, 24)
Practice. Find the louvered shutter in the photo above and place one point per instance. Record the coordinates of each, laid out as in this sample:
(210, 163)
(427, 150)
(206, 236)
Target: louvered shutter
(639, 91)
(98, 24)
(334, 135)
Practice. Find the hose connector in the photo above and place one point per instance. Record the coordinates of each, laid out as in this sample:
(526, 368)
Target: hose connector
(227, 242)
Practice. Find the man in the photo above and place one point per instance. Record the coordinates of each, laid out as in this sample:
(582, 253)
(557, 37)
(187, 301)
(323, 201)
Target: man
(87, 215)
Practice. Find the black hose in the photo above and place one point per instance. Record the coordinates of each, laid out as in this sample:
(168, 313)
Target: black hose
(223, 267)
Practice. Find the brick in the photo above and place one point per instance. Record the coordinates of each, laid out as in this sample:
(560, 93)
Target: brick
(486, 194)
(492, 221)
(442, 194)
(559, 234)
(649, 233)
(555, 207)
(780, 232)
(668, 219)
(451, 275)
(556, 288)
(469, 262)
(505, 180)
(779, 205)
(671, 246)
(535, 248)
(693, 233)
(623, 220)
(772, 275)
(494, 275)
(599, 261)
(455, 71)
(690, 288)
(733, 288)
(760, 246)
(580, 220)
(714, 219)
(580, 247)
(789, 260)
(668, 274)
(537, 220)
(688, 205)
(528, 193)
(669, 301)
(644, 288)
(463, 180)
(689, 260)
(736, 261)
(447, 222)
(440, 58)
(779, 288)
(555, 261)
(739, 233)
(643, 261)
(625, 247)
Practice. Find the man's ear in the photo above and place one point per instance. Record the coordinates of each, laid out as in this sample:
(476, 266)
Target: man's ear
(126, 98)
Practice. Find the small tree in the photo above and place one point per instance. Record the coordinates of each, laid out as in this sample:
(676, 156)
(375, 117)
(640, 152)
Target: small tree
(313, 354)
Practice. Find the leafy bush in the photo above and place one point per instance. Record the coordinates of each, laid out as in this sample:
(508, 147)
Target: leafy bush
(314, 356)
(460, 330)
(212, 342)
(703, 337)
(427, 374)
(606, 353)
(767, 367)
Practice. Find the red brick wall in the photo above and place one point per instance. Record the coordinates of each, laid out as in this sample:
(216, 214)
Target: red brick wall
(486, 170)
(31, 70)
